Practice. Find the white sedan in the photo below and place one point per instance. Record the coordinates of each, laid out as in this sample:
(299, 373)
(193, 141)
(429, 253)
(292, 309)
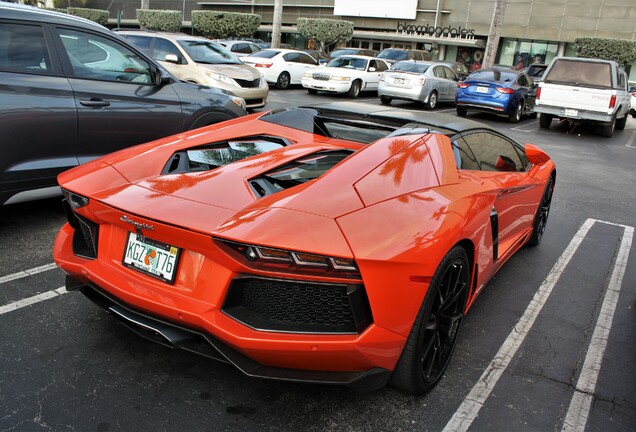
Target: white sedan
(281, 67)
(349, 74)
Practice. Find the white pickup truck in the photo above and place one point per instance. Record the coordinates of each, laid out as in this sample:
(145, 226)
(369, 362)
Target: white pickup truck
(584, 90)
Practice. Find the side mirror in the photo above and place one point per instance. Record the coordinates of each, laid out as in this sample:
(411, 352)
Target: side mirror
(535, 155)
(171, 58)
(372, 69)
(504, 163)
(159, 78)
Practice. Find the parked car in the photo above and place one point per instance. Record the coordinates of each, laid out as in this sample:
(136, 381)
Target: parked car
(352, 51)
(583, 90)
(392, 55)
(201, 61)
(281, 264)
(501, 91)
(425, 82)
(632, 91)
(536, 71)
(240, 48)
(281, 67)
(349, 74)
(460, 69)
(71, 90)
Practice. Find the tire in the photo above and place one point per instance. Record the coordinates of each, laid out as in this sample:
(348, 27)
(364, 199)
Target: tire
(515, 117)
(432, 340)
(621, 123)
(386, 100)
(283, 81)
(608, 130)
(312, 91)
(541, 218)
(432, 101)
(545, 120)
(354, 91)
(461, 111)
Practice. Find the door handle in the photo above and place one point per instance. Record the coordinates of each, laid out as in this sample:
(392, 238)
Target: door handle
(94, 102)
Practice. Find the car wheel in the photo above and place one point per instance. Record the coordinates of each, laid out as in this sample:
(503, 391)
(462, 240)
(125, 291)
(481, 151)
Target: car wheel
(608, 130)
(541, 218)
(432, 101)
(432, 340)
(283, 80)
(312, 91)
(385, 100)
(516, 115)
(620, 123)
(545, 120)
(354, 91)
(461, 111)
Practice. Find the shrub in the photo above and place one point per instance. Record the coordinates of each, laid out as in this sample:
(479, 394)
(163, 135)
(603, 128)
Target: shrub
(215, 24)
(98, 15)
(63, 4)
(621, 51)
(325, 31)
(162, 20)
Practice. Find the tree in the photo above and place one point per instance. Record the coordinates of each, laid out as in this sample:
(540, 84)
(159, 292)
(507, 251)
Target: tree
(325, 31)
(498, 15)
(621, 51)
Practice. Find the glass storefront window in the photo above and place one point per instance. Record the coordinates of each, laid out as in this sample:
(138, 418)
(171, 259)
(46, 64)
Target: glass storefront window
(521, 54)
(507, 52)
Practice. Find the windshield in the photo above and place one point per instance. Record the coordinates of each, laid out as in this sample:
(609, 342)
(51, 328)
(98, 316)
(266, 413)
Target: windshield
(409, 66)
(265, 54)
(349, 63)
(393, 54)
(208, 52)
(341, 52)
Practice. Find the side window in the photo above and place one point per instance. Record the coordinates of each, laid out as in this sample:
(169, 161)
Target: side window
(100, 58)
(381, 66)
(372, 64)
(142, 42)
(464, 156)
(23, 49)
(242, 48)
(494, 153)
(621, 81)
(254, 48)
(164, 47)
(438, 71)
(307, 59)
(292, 57)
(450, 74)
(523, 81)
(417, 55)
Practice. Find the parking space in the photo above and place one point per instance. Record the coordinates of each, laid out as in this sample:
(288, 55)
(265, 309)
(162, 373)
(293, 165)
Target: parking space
(547, 346)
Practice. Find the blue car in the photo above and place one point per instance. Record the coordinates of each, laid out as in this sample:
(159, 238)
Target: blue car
(502, 91)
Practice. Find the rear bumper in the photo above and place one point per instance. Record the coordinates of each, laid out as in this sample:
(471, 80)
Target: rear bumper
(582, 115)
(418, 93)
(199, 342)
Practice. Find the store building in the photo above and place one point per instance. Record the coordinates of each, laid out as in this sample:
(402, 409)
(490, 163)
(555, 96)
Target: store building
(533, 30)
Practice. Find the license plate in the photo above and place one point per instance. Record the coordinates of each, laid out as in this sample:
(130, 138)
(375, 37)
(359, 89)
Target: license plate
(151, 257)
(482, 89)
(399, 80)
(571, 112)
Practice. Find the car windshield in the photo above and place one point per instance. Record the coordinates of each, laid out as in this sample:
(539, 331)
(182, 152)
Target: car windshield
(341, 52)
(349, 63)
(393, 54)
(409, 66)
(265, 54)
(208, 52)
(536, 71)
(492, 75)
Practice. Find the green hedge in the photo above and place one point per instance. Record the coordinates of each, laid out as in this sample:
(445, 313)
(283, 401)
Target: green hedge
(325, 31)
(55, 9)
(98, 15)
(162, 20)
(621, 51)
(214, 24)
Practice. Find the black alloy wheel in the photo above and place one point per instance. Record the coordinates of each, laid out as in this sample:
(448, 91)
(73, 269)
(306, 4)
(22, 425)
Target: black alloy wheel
(283, 80)
(515, 117)
(386, 100)
(541, 218)
(461, 111)
(432, 340)
(545, 120)
(312, 91)
(354, 91)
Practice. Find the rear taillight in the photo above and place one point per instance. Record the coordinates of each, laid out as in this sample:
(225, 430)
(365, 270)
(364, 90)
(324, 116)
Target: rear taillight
(612, 101)
(634, 94)
(263, 65)
(421, 81)
(538, 93)
(505, 90)
(463, 85)
(381, 77)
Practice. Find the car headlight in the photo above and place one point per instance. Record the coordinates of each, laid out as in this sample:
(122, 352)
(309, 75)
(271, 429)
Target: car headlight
(221, 78)
(340, 78)
(239, 101)
(307, 75)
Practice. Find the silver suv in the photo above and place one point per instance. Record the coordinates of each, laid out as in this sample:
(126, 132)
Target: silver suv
(202, 61)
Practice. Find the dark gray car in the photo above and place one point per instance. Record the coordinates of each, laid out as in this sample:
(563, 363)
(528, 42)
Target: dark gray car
(71, 90)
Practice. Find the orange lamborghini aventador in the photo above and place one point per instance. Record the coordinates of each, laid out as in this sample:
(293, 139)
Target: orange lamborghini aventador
(335, 244)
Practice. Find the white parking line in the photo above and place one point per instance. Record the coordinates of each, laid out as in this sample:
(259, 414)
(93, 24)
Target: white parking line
(25, 273)
(579, 410)
(472, 404)
(32, 300)
(630, 141)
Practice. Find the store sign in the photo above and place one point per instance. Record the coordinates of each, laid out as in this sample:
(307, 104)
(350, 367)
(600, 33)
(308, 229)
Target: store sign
(429, 30)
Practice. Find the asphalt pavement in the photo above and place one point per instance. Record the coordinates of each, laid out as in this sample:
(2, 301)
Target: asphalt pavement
(549, 344)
